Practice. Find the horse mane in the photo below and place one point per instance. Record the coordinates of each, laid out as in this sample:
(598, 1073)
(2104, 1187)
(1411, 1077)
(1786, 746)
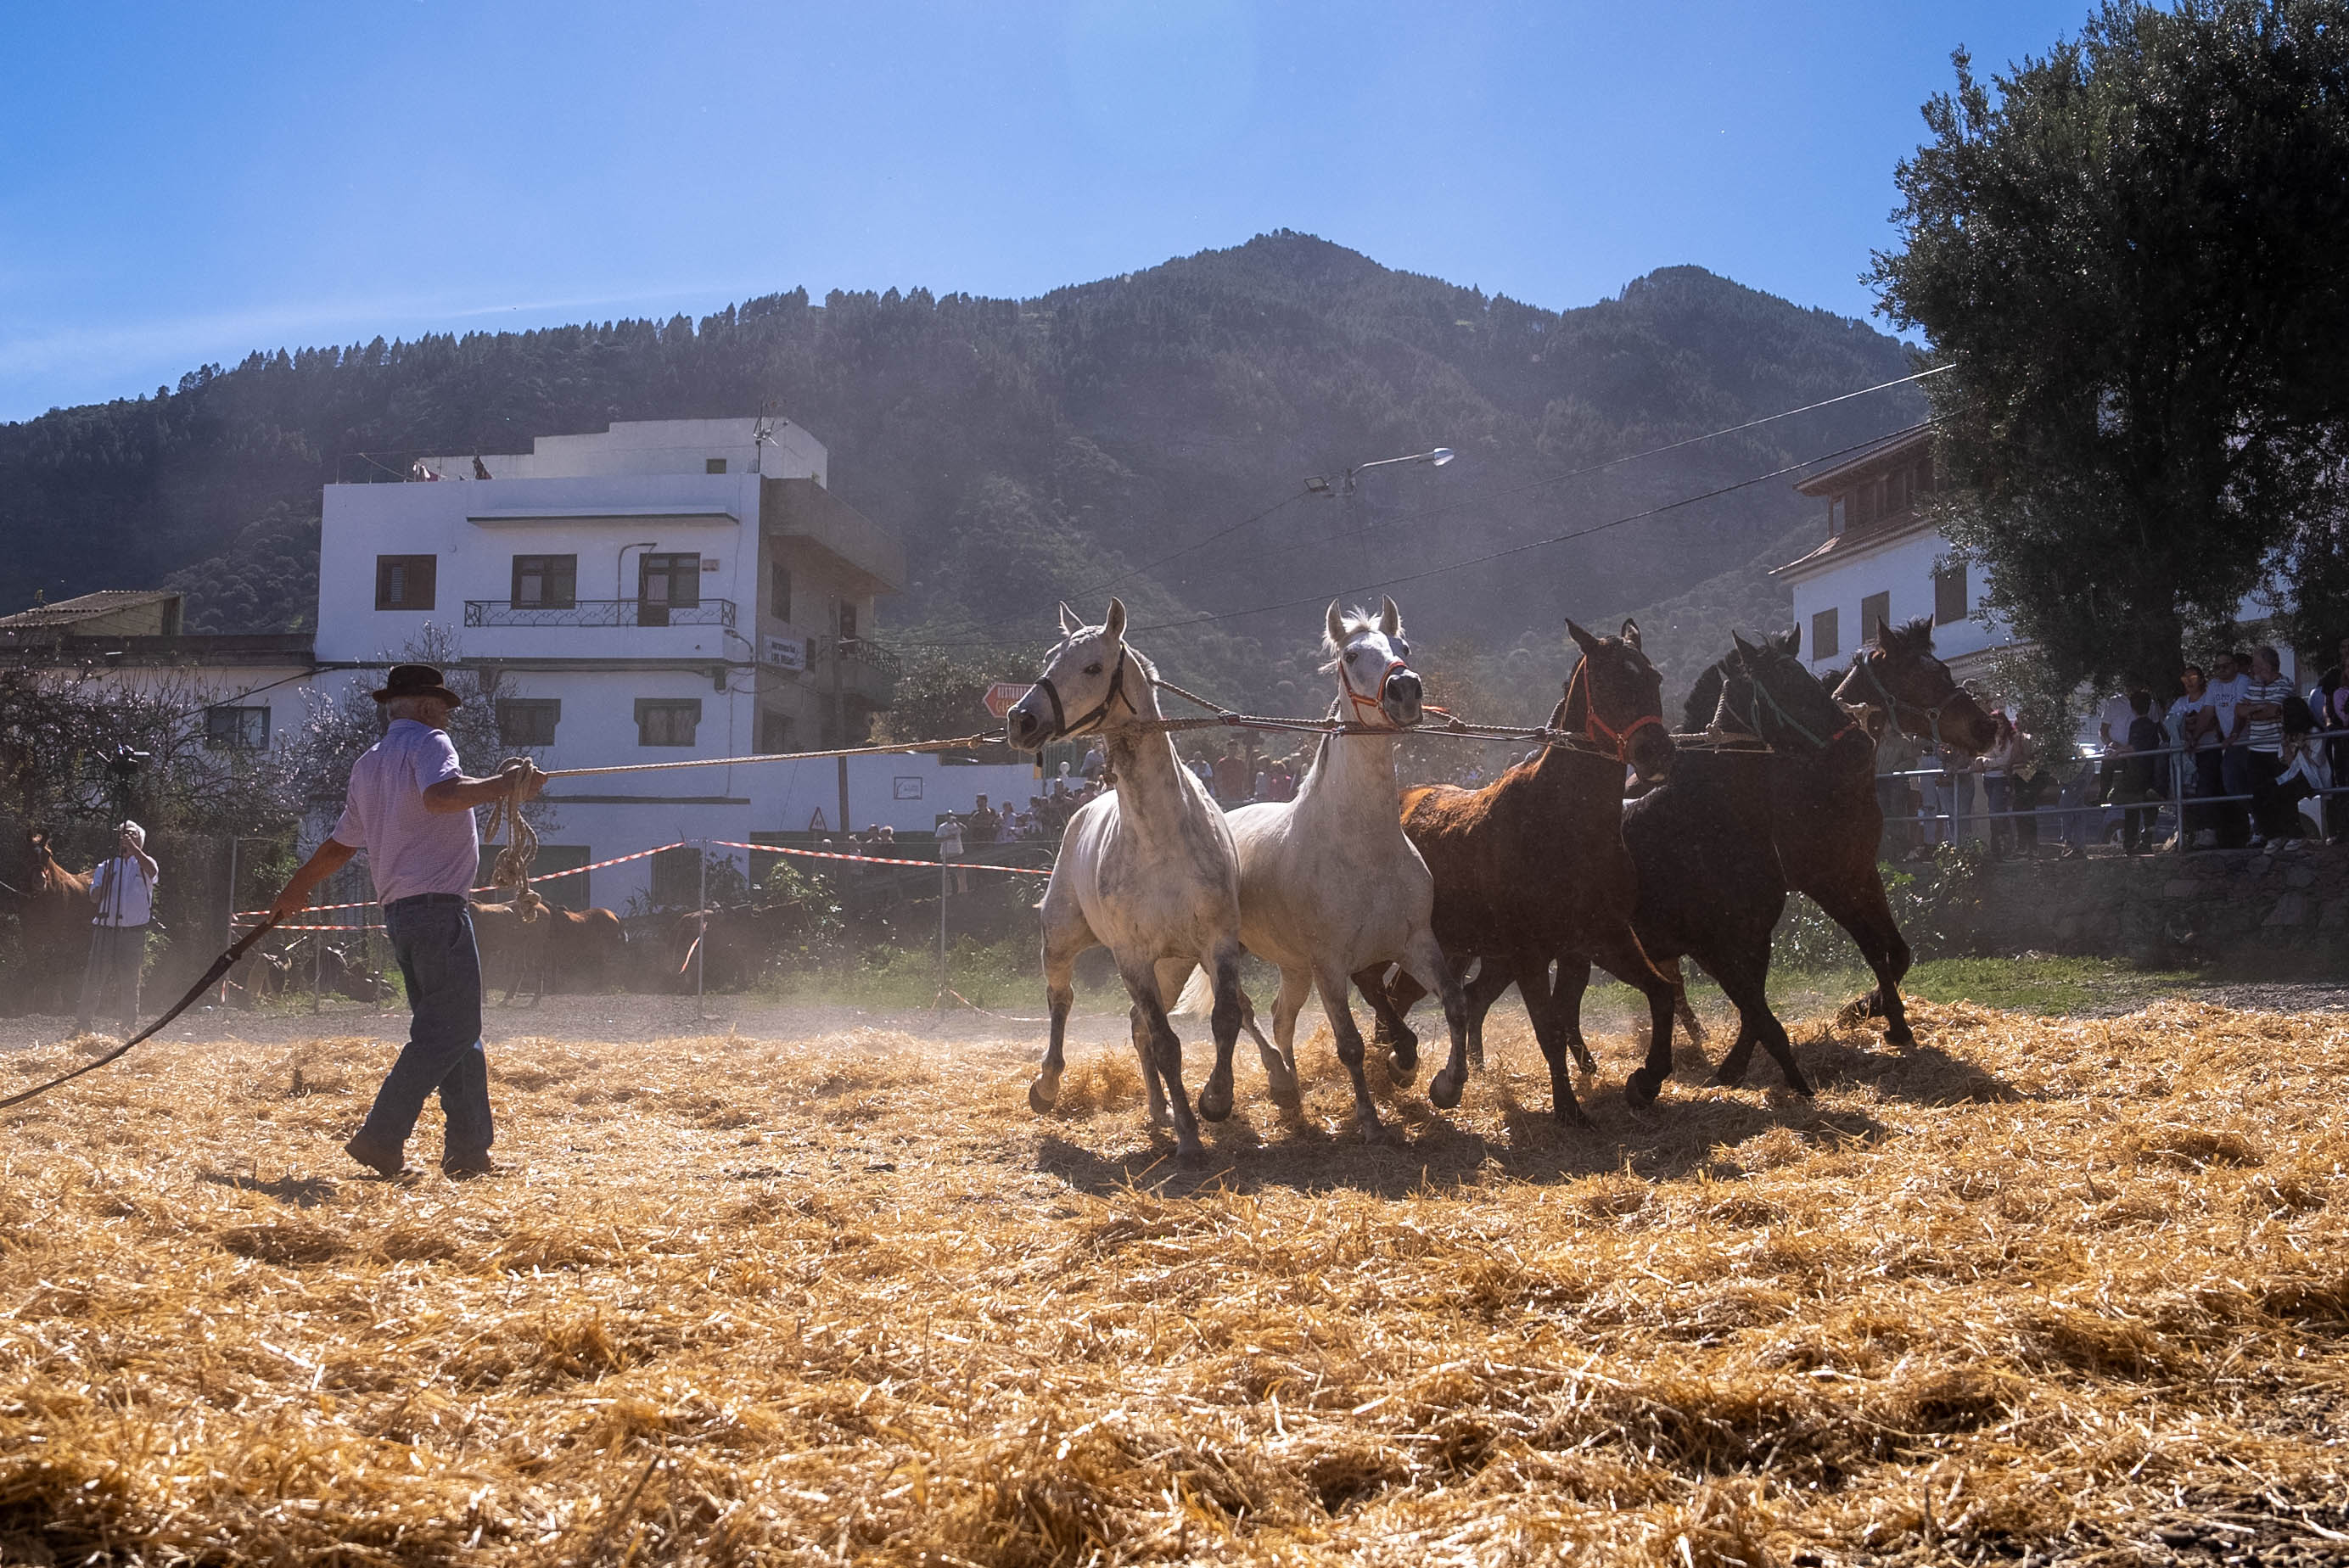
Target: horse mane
(1353, 623)
(1697, 713)
(1911, 636)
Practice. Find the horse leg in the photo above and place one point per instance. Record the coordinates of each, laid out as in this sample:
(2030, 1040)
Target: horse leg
(1215, 1094)
(1062, 943)
(1621, 954)
(1391, 998)
(1425, 960)
(1857, 903)
(1332, 984)
(1232, 1011)
(1295, 984)
(1543, 1006)
(1670, 969)
(1566, 995)
(1494, 976)
(1746, 982)
(1279, 1072)
(1138, 1031)
(1163, 1056)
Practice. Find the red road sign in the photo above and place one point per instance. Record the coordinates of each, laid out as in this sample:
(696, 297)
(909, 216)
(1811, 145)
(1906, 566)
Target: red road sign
(1004, 695)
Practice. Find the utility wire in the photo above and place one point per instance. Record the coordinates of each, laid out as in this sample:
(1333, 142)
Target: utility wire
(967, 635)
(1537, 543)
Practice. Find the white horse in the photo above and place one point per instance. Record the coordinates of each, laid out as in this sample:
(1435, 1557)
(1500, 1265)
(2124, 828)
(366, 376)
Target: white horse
(1147, 871)
(1329, 887)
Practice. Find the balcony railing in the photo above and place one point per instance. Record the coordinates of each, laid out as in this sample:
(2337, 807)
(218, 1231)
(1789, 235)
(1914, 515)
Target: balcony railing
(600, 613)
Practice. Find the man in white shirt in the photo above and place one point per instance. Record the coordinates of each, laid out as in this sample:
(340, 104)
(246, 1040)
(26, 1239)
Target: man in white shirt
(410, 807)
(2227, 685)
(123, 889)
(2259, 712)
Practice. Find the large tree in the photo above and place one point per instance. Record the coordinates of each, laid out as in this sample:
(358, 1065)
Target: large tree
(2131, 254)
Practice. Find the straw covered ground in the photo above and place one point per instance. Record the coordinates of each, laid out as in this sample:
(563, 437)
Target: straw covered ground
(2074, 1290)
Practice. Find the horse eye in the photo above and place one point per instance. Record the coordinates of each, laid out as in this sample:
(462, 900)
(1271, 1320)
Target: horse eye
(1353, 653)
(1403, 650)
(1093, 668)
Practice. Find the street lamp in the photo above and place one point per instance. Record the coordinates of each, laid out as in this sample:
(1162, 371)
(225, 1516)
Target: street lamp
(1344, 484)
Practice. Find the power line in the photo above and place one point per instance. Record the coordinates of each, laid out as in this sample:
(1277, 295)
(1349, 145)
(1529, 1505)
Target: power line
(1537, 543)
(967, 635)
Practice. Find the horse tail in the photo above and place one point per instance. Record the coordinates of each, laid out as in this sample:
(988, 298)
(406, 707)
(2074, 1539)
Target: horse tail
(1198, 999)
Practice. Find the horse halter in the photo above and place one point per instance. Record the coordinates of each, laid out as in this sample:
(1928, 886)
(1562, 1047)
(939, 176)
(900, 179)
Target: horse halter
(1866, 665)
(1377, 701)
(1757, 694)
(1061, 726)
(1620, 739)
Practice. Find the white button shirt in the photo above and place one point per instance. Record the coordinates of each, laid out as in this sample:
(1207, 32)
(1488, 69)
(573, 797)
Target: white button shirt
(410, 849)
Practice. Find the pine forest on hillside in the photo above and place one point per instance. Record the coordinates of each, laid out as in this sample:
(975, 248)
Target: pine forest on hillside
(1030, 450)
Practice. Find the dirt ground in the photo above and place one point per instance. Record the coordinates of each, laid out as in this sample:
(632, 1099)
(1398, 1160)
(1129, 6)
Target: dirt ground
(816, 1286)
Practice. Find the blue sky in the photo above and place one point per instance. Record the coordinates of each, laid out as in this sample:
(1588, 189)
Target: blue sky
(184, 184)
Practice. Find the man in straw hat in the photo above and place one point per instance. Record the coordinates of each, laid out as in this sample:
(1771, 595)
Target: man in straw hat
(410, 807)
(124, 891)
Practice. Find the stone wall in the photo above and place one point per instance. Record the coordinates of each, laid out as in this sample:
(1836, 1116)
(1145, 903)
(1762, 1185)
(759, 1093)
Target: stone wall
(2225, 907)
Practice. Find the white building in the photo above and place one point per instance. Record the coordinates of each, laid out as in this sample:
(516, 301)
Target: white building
(658, 592)
(1883, 560)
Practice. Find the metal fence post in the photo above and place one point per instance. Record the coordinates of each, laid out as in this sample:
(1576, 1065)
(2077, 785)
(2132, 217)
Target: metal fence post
(230, 935)
(942, 924)
(701, 943)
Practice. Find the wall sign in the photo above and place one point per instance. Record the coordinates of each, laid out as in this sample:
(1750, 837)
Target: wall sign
(902, 789)
(784, 653)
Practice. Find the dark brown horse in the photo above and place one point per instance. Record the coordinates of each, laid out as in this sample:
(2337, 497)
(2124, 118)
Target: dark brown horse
(1827, 824)
(1711, 884)
(1531, 870)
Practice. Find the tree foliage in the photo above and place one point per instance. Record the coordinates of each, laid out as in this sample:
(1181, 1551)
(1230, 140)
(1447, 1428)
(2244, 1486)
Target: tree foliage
(2130, 251)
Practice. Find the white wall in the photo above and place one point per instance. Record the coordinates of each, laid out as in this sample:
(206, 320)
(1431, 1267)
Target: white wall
(475, 533)
(654, 446)
(1904, 568)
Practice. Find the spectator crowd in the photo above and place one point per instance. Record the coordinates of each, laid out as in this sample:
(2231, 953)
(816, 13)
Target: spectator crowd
(2244, 759)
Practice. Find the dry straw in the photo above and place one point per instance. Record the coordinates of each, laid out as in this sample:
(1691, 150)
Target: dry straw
(2077, 1288)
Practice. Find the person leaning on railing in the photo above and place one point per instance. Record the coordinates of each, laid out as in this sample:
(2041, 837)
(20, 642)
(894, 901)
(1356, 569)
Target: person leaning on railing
(2194, 724)
(2134, 777)
(2328, 702)
(2259, 719)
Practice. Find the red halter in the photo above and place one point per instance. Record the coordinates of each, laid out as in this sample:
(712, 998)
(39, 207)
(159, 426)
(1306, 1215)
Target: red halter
(1376, 702)
(1620, 739)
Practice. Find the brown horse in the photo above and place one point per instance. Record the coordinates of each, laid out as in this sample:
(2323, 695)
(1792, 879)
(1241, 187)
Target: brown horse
(1531, 870)
(1828, 822)
(1712, 883)
(52, 916)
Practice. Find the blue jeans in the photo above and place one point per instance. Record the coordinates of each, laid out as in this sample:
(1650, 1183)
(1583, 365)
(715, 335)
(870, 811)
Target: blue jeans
(433, 937)
(110, 980)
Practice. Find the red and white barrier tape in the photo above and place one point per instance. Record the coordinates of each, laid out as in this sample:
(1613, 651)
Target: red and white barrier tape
(875, 859)
(537, 877)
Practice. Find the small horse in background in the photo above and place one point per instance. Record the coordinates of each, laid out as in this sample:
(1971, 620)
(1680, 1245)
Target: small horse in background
(1830, 827)
(1531, 870)
(53, 915)
(1329, 886)
(1147, 869)
(1712, 886)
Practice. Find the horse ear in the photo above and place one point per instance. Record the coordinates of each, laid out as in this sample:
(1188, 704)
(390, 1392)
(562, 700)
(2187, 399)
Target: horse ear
(1391, 618)
(1631, 635)
(1744, 651)
(1113, 623)
(1337, 626)
(1883, 633)
(1070, 624)
(1789, 642)
(1588, 643)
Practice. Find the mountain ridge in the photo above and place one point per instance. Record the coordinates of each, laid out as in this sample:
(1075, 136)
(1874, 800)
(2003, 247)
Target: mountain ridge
(1028, 447)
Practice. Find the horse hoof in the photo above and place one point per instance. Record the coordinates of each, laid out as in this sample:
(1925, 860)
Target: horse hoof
(1216, 1102)
(1568, 1113)
(1401, 1069)
(1443, 1089)
(1899, 1035)
(1586, 1063)
(1729, 1076)
(1040, 1097)
(1796, 1084)
(1190, 1156)
(1642, 1086)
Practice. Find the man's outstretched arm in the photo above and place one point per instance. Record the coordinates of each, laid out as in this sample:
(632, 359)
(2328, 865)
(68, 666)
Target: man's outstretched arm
(324, 861)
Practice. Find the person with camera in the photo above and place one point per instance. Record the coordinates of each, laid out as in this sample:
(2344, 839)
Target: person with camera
(123, 888)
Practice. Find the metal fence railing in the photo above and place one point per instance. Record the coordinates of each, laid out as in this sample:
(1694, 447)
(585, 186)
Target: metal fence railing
(2178, 811)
